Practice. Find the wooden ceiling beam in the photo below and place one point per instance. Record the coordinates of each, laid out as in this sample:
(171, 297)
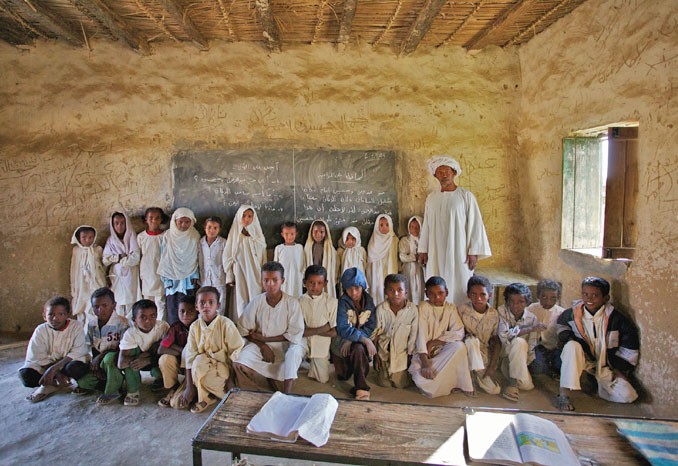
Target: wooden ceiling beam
(180, 15)
(505, 20)
(51, 21)
(421, 25)
(346, 23)
(536, 23)
(12, 34)
(115, 24)
(269, 28)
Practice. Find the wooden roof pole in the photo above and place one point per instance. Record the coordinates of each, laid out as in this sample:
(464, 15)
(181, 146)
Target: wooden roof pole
(115, 24)
(180, 15)
(54, 23)
(421, 25)
(346, 23)
(503, 21)
(269, 27)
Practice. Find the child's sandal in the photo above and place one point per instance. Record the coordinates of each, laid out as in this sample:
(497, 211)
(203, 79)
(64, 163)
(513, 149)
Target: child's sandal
(201, 406)
(563, 403)
(511, 394)
(132, 399)
(165, 401)
(106, 399)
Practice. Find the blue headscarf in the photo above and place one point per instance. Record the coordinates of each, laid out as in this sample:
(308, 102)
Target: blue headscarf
(353, 277)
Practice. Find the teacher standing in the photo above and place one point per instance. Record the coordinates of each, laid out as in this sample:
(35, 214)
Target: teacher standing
(453, 235)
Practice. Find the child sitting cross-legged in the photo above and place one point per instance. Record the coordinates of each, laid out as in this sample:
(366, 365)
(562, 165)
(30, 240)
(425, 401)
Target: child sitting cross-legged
(547, 310)
(274, 326)
(396, 334)
(103, 336)
(56, 353)
(352, 348)
(320, 317)
(139, 348)
(172, 347)
(441, 362)
(213, 344)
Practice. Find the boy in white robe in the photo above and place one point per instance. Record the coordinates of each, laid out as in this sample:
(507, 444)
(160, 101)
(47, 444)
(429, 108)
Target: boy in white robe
(453, 235)
(382, 256)
(244, 254)
(319, 250)
(178, 266)
(87, 270)
(320, 320)
(122, 256)
(396, 334)
(213, 344)
(547, 311)
(482, 343)
(411, 268)
(139, 348)
(211, 259)
(350, 252)
(56, 352)
(149, 242)
(291, 256)
(519, 333)
(441, 362)
(273, 325)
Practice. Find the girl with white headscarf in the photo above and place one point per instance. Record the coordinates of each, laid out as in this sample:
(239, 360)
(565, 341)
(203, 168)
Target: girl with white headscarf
(122, 254)
(244, 254)
(411, 268)
(350, 252)
(382, 256)
(320, 251)
(178, 266)
(87, 270)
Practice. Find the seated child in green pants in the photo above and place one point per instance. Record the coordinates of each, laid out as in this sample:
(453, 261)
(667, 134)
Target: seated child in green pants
(139, 347)
(103, 335)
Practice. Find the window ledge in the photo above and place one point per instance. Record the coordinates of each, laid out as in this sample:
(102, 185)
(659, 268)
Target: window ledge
(592, 265)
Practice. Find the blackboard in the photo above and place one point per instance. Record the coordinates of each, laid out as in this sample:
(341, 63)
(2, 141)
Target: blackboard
(342, 187)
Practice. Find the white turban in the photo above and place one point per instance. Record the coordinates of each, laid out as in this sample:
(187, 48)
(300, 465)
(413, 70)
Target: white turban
(440, 160)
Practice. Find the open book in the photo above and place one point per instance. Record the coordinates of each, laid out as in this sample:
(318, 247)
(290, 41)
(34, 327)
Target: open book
(285, 418)
(500, 438)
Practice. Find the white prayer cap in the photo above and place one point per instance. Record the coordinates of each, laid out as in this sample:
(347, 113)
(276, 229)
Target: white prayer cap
(440, 160)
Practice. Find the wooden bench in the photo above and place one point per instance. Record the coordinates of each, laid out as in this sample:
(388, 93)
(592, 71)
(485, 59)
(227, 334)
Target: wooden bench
(380, 433)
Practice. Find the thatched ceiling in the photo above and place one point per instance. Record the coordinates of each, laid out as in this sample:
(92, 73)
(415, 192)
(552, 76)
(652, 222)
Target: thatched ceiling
(402, 25)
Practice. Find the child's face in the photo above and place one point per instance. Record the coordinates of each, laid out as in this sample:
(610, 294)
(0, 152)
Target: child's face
(145, 319)
(517, 304)
(548, 298)
(153, 220)
(414, 228)
(272, 281)
(478, 295)
(183, 223)
(396, 294)
(315, 284)
(87, 238)
(187, 314)
(289, 235)
(383, 226)
(350, 241)
(119, 225)
(437, 295)
(355, 293)
(56, 316)
(318, 232)
(212, 230)
(103, 308)
(247, 217)
(593, 298)
(208, 306)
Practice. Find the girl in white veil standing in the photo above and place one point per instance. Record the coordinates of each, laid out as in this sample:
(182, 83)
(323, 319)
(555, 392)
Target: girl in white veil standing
(382, 256)
(411, 268)
(122, 254)
(320, 251)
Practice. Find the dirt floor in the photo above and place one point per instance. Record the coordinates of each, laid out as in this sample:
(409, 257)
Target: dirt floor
(67, 429)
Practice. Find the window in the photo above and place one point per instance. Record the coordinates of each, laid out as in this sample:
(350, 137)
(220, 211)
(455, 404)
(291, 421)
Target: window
(600, 189)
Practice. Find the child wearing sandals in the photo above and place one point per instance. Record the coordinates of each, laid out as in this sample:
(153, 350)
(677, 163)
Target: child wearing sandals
(213, 343)
(171, 349)
(103, 336)
(56, 352)
(139, 347)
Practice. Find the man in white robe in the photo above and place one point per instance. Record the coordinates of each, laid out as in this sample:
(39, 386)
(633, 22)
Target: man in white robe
(453, 235)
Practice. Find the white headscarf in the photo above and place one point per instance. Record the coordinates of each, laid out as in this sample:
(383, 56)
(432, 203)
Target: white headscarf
(355, 233)
(380, 243)
(93, 267)
(443, 160)
(414, 240)
(329, 256)
(179, 257)
(128, 244)
(234, 236)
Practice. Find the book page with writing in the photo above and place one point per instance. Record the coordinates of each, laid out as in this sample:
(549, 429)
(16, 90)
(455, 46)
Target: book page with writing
(278, 417)
(541, 442)
(315, 421)
(491, 438)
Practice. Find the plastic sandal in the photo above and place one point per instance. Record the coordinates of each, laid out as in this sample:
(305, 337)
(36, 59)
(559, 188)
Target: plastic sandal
(511, 394)
(106, 399)
(132, 399)
(164, 402)
(201, 406)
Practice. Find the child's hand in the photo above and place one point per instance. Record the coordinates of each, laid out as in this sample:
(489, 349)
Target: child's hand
(430, 346)
(371, 349)
(140, 362)
(245, 232)
(96, 361)
(188, 395)
(377, 364)
(491, 372)
(346, 348)
(257, 336)
(267, 353)
(428, 373)
(49, 377)
(538, 327)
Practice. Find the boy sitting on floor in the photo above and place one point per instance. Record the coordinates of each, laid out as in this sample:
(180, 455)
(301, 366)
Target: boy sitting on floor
(547, 310)
(598, 339)
(274, 326)
(57, 351)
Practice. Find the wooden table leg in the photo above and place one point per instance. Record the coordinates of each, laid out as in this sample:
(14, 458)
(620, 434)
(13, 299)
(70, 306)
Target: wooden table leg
(197, 456)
